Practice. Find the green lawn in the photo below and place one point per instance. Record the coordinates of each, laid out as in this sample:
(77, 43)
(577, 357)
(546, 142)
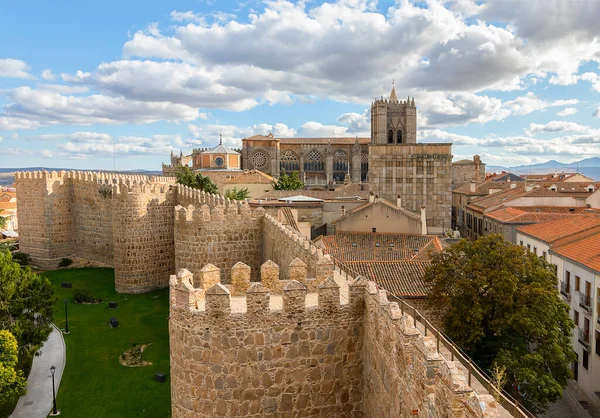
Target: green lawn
(95, 384)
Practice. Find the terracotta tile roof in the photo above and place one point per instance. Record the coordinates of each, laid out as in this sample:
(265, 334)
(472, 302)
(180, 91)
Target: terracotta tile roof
(397, 264)
(7, 196)
(8, 206)
(251, 177)
(401, 278)
(489, 201)
(535, 214)
(585, 251)
(554, 177)
(560, 228)
(483, 188)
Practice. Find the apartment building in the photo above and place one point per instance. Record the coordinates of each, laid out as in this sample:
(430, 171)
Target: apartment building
(572, 245)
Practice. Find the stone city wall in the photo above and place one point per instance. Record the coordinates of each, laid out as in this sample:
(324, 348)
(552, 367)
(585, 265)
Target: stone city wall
(283, 246)
(292, 361)
(258, 355)
(404, 375)
(221, 235)
(121, 221)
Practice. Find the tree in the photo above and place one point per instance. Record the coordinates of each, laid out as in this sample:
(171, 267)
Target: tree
(235, 194)
(26, 304)
(502, 307)
(12, 380)
(186, 177)
(288, 181)
(2, 221)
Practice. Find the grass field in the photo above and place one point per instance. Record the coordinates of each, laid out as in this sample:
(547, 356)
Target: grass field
(95, 384)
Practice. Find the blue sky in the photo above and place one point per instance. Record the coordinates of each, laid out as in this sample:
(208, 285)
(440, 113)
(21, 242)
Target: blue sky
(516, 82)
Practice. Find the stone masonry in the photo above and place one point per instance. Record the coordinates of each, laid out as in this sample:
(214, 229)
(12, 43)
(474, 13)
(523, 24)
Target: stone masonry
(350, 354)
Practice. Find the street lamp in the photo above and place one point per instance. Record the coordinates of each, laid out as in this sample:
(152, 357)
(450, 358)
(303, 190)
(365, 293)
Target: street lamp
(66, 317)
(54, 410)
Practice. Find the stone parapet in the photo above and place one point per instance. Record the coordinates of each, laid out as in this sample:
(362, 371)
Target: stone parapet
(363, 358)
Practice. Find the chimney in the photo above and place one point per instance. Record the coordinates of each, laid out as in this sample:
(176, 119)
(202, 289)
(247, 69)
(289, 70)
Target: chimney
(423, 221)
(399, 201)
(513, 185)
(371, 197)
(473, 184)
(343, 210)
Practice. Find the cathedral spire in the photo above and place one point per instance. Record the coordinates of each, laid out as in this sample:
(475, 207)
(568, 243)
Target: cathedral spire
(393, 97)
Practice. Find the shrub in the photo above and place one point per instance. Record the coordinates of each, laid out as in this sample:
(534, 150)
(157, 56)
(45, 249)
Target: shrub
(84, 296)
(21, 258)
(65, 262)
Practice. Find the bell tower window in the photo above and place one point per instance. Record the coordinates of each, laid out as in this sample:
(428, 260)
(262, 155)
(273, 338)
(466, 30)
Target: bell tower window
(399, 137)
(390, 137)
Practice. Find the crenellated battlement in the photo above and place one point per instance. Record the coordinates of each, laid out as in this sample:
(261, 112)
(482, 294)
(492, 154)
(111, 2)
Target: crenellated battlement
(94, 176)
(344, 350)
(204, 292)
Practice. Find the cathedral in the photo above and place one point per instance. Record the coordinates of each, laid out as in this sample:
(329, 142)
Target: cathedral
(391, 164)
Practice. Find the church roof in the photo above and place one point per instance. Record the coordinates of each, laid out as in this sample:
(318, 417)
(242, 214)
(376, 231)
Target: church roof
(315, 141)
(378, 201)
(221, 149)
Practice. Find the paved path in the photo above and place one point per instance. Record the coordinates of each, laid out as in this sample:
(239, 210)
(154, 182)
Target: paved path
(37, 402)
(570, 405)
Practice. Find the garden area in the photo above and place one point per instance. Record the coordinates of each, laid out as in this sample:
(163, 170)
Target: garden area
(110, 371)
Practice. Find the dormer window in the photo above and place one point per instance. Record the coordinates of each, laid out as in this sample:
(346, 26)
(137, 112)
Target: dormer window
(590, 188)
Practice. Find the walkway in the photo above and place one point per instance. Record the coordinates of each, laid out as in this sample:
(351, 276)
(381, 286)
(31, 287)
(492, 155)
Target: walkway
(574, 404)
(37, 402)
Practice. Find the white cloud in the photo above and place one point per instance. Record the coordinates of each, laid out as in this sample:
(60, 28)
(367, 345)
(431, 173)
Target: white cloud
(528, 103)
(14, 68)
(38, 107)
(439, 136)
(556, 126)
(187, 17)
(596, 113)
(62, 89)
(315, 130)
(567, 111)
(75, 137)
(47, 75)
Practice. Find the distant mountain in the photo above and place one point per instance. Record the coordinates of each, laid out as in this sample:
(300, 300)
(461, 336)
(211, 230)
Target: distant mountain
(589, 166)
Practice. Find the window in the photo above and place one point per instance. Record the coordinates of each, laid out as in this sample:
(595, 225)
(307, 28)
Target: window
(390, 137)
(288, 161)
(535, 250)
(399, 137)
(219, 161)
(597, 343)
(374, 229)
(544, 255)
(585, 359)
(528, 247)
(576, 317)
(521, 243)
(577, 280)
(568, 278)
(259, 160)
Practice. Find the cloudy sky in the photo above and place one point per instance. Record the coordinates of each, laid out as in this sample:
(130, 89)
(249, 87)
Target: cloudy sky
(517, 82)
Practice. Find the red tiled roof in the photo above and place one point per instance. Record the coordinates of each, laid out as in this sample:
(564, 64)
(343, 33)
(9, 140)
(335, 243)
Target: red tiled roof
(397, 264)
(585, 251)
(560, 228)
(535, 214)
(483, 189)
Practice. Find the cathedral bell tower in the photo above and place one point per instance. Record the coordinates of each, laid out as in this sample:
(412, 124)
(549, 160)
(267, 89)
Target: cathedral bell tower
(393, 121)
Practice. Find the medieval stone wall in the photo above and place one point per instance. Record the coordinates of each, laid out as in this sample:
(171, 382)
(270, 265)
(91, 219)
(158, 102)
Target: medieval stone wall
(108, 219)
(282, 245)
(45, 228)
(220, 233)
(143, 234)
(352, 354)
(92, 221)
(292, 361)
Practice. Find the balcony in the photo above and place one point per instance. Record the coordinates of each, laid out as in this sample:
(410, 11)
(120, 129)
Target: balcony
(585, 302)
(565, 290)
(583, 337)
